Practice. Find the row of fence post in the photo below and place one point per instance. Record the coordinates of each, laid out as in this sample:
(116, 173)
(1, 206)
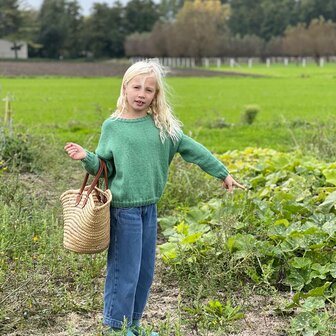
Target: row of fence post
(206, 62)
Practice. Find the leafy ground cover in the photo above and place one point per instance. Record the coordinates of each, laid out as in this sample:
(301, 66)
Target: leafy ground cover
(263, 258)
(279, 235)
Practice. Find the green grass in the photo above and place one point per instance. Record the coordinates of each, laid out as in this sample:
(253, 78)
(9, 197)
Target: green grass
(72, 109)
(280, 70)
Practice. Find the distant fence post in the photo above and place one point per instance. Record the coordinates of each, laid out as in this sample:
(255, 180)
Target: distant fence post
(206, 62)
(232, 62)
(286, 61)
(268, 62)
(192, 62)
(304, 62)
(250, 62)
(8, 112)
(321, 62)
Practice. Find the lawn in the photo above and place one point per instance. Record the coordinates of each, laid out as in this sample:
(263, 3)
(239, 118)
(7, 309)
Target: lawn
(72, 109)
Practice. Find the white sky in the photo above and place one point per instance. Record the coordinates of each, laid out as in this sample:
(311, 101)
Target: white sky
(85, 4)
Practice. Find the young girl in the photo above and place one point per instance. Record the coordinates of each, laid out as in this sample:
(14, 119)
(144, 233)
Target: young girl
(138, 142)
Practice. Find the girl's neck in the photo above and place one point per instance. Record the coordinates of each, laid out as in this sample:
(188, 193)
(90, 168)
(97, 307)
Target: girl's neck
(129, 115)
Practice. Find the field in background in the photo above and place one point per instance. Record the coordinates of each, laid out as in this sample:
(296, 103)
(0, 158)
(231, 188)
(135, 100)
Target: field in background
(74, 108)
(282, 70)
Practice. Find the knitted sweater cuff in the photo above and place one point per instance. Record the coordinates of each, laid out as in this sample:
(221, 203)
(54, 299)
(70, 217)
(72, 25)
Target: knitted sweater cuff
(90, 163)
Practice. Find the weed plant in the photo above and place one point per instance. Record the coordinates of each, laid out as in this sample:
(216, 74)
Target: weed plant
(39, 280)
(17, 151)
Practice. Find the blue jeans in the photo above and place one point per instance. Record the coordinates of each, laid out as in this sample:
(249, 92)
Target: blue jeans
(130, 264)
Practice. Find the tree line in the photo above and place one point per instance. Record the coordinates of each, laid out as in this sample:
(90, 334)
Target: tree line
(173, 28)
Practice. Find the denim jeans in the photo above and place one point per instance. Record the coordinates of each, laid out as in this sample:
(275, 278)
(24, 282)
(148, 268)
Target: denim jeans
(130, 264)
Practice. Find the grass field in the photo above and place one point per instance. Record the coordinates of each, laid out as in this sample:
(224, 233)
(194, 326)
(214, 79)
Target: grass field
(73, 108)
(280, 70)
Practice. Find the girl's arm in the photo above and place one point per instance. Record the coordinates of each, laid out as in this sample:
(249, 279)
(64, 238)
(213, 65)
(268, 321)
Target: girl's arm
(194, 152)
(90, 160)
(229, 183)
(75, 151)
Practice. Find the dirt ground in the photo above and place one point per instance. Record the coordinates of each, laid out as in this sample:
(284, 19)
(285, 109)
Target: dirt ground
(90, 69)
(164, 306)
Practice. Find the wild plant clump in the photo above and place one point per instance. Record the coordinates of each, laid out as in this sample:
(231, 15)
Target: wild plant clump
(249, 114)
(16, 151)
(279, 235)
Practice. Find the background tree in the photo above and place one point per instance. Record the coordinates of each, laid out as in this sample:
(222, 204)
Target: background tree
(277, 16)
(73, 20)
(296, 41)
(153, 44)
(198, 27)
(263, 18)
(246, 17)
(10, 18)
(139, 44)
(274, 47)
(104, 32)
(140, 16)
(16, 25)
(322, 38)
(307, 10)
(52, 32)
(241, 46)
(169, 8)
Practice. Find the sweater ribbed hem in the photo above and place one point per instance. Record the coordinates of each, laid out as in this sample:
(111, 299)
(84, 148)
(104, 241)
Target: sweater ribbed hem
(133, 204)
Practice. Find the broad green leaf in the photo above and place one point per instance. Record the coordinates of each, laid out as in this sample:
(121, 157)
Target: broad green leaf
(191, 238)
(167, 222)
(330, 175)
(322, 269)
(196, 215)
(168, 251)
(330, 228)
(283, 221)
(329, 203)
(298, 278)
(318, 291)
(169, 232)
(241, 242)
(300, 262)
(182, 228)
(333, 270)
(312, 303)
(278, 232)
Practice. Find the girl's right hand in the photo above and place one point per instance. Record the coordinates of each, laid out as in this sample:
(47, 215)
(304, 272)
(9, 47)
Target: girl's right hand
(76, 152)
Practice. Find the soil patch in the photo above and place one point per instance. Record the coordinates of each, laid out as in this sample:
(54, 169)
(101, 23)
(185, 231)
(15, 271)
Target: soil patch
(94, 69)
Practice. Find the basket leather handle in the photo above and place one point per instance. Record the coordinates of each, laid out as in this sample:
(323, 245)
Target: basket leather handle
(94, 183)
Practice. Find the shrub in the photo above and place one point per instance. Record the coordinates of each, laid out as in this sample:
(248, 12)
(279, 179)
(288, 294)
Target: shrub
(250, 113)
(16, 151)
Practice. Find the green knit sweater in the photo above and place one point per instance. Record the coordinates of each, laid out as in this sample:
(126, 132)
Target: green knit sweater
(138, 161)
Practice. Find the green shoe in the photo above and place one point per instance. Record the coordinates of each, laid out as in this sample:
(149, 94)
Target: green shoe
(118, 332)
(139, 331)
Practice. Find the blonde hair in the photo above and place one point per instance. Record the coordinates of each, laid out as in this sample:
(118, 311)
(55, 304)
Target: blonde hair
(160, 108)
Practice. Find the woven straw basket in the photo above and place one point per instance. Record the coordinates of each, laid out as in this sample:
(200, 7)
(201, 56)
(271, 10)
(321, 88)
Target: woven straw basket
(86, 214)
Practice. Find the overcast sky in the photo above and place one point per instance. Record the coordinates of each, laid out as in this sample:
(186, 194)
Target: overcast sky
(85, 4)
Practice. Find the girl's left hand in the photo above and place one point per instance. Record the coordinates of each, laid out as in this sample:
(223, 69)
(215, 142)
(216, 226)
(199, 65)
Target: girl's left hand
(229, 183)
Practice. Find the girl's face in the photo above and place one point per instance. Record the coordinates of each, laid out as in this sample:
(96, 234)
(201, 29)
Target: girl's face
(140, 92)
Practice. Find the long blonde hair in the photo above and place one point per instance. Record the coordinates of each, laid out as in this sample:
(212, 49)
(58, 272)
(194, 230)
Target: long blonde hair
(160, 108)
